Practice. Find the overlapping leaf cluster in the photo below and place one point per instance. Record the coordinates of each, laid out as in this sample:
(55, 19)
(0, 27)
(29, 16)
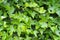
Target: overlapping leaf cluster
(29, 19)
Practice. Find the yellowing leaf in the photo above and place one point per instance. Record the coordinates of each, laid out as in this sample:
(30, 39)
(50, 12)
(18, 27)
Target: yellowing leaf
(26, 4)
(32, 4)
(24, 28)
(42, 10)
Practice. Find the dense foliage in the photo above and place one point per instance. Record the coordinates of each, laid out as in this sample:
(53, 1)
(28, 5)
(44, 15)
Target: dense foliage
(29, 19)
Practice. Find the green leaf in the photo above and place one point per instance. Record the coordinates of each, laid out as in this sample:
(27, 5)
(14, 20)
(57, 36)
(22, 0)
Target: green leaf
(43, 24)
(1, 1)
(11, 10)
(58, 13)
(57, 32)
(52, 10)
(54, 28)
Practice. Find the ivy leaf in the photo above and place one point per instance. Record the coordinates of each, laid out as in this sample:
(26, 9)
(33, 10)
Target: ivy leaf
(1, 28)
(54, 28)
(33, 14)
(35, 33)
(32, 4)
(42, 10)
(58, 13)
(11, 10)
(43, 26)
(0, 12)
(16, 1)
(57, 20)
(4, 35)
(11, 30)
(52, 10)
(1, 1)
(57, 32)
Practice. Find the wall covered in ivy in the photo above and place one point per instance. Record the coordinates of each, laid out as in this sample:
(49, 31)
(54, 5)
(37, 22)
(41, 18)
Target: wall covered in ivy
(29, 19)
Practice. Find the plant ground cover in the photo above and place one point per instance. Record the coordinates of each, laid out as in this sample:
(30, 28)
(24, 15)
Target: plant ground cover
(29, 19)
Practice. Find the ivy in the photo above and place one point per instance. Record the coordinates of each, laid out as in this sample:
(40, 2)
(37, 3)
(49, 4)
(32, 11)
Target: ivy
(29, 19)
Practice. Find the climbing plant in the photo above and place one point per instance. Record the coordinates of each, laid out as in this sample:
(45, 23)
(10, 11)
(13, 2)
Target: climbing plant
(29, 19)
